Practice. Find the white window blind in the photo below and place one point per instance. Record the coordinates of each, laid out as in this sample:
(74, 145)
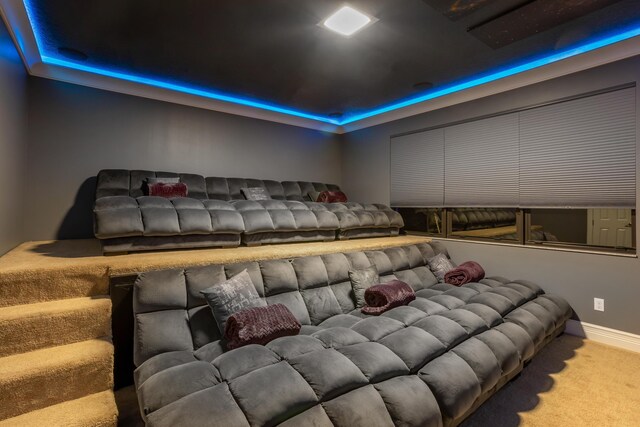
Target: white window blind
(481, 163)
(580, 153)
(417, 169)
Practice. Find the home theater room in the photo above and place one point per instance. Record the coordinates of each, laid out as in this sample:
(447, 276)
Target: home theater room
(416, 213)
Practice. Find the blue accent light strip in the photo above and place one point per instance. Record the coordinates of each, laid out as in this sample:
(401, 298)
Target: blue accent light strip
(48, 59)
(497, 75)
(186, 89)
(587, 46)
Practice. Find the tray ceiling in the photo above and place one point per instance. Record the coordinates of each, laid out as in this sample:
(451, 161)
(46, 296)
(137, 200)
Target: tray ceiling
(273, 55)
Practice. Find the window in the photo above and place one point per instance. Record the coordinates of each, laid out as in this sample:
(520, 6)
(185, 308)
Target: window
(429, 221)
(600, 229)
(604, 228)
(558, 174)
(485, 223)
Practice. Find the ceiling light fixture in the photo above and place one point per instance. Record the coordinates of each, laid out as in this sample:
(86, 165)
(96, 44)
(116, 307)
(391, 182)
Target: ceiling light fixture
(347, 21)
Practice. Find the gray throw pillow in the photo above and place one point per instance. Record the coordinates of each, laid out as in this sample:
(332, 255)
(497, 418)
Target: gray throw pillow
(361, 280)
(231, 296)
(164, 180)
(313, 195)
(440, 265)
(255, 193)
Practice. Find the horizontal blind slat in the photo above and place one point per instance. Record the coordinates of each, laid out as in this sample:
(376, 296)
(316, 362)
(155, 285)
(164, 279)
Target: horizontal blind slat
(481, 162)
(580, 153)
(417, 169)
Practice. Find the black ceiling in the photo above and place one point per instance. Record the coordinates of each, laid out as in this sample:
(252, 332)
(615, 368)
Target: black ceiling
(273, 50)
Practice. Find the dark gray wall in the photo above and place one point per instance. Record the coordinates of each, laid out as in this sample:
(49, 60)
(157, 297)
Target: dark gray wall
(75, 131)
(577, 277)
(13, 115)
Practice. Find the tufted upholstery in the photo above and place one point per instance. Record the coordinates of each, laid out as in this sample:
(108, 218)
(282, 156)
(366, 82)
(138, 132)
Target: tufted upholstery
(216, 208)
(426, 364)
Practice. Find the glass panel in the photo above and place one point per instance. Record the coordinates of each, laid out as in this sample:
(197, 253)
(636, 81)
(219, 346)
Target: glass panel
(602, 227)
(423, 220)
(485, 223)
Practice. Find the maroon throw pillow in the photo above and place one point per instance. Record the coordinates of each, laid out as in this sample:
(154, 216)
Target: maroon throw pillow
(332, 197)
(161, 189)
(260, 325)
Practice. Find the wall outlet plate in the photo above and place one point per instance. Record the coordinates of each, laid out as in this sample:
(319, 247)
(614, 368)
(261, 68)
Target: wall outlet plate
(598, 304)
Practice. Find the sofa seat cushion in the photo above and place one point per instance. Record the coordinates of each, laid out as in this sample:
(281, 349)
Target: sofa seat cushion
(265, 216)
(117, 216)
(123, 216)
(355, 215)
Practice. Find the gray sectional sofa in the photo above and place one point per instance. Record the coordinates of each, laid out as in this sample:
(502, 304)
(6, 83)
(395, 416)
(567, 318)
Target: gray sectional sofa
(430, 363)
(215, 214)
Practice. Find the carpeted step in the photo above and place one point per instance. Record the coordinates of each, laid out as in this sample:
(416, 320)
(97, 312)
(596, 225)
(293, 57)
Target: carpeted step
(49, 284)
(46, 377)
(30, 327)
(96, 410)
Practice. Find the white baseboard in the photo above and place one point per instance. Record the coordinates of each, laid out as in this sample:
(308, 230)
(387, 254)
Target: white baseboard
(604, 335)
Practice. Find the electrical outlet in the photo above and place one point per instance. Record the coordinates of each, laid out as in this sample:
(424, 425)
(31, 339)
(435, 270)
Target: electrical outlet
(598, 304)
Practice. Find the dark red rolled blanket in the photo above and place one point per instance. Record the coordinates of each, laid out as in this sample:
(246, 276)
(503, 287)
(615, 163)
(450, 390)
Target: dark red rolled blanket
(380, 298)
(466, 272)
(260, 325)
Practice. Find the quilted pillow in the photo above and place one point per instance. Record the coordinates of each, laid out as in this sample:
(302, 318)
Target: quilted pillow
(331, 197)
(361, 280)
(440, 265)
(260, 325)
(255, 193)
(161, 189)
(232, 296)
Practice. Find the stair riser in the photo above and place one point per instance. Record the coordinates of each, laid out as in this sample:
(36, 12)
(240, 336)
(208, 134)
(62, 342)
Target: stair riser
(96, 410)
(24, 393)
(53, 329)
(24, 287)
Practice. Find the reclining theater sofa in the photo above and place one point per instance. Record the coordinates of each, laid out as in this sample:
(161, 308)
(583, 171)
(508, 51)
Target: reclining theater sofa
(215, 214)
(430, 363)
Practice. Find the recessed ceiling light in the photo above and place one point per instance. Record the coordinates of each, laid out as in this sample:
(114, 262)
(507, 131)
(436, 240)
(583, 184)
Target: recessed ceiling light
(347, 21)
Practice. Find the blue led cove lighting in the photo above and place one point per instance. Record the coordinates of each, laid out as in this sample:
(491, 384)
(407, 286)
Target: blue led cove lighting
(531, 64)
(47, 58)
(586, 46)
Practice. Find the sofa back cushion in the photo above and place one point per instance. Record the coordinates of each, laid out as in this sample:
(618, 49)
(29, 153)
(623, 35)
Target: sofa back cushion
(122, 182)
(171, 313)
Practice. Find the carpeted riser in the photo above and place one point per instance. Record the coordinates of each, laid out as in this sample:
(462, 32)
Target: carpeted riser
(96, 410)
(27, 287)
(31, 327)
(42, 378)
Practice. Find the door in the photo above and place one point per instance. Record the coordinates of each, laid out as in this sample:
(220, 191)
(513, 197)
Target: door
(609, 227)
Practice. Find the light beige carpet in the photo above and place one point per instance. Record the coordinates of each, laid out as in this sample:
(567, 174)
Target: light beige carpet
(571, 383)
